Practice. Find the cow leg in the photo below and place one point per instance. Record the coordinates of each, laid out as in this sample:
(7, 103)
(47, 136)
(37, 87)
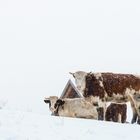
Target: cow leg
(100, 111)
(119, 118)
(115, 117)
(134, 118)
(123, 118)
(107, 116)
(134, 110)
(138, 114)
(138, 121)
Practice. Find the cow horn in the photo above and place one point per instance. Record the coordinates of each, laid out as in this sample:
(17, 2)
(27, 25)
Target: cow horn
(46, 98)
(71, 73)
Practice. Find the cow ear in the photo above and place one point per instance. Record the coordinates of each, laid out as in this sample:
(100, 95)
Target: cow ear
(60, 102)
(72, 74)
(47, 101)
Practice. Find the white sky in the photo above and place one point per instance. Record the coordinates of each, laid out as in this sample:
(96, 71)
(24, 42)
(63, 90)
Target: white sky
(42, 40)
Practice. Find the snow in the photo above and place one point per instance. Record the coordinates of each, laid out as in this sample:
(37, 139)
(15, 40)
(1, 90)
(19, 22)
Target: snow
(18, 125)
(25, 125)
(41, 41)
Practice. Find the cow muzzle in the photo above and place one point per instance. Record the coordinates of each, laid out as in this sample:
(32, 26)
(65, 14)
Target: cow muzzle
(52, 109)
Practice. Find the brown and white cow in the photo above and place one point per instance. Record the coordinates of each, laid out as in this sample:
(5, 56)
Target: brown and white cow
(116, 112)
(77, 107)
(110, 87)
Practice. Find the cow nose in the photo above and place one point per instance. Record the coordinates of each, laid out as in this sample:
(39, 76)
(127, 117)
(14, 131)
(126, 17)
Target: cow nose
(52, 109)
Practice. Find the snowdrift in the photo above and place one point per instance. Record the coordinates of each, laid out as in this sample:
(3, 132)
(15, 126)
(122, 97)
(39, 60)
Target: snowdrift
(19, 125)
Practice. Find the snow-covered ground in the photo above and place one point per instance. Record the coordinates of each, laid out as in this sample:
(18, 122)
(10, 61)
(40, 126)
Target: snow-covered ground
(28, 118)
(25, 125)
(41, 41)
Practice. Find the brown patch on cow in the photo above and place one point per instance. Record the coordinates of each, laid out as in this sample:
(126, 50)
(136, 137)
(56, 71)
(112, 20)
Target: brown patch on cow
(93, 86)
(112, 84)
(117, 83)
(114, 110)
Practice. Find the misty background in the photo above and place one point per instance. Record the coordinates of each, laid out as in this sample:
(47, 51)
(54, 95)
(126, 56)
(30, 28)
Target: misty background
(41, 41)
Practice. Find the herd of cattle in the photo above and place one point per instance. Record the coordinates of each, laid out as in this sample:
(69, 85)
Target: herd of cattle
(98, 89)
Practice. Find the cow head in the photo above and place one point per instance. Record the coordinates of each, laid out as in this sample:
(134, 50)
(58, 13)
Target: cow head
(51, 101)
(80, 80)
(58, 103)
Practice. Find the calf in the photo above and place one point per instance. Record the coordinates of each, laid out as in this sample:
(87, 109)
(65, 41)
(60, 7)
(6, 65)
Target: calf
(51, 101)
(110, 87)
(116, 113)
(77, 107)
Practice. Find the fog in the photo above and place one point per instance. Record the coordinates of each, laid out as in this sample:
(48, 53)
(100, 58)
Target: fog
(42, 40)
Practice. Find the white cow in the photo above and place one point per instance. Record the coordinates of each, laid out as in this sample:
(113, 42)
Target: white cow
(77, 107)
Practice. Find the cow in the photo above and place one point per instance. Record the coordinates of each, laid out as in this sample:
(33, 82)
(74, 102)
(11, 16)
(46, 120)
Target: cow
(77, 107)
(116, 112)
(51, 101)
(110, 87)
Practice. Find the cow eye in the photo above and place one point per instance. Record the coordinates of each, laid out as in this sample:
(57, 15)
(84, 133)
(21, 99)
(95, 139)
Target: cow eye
(95, 104)
(55, 105)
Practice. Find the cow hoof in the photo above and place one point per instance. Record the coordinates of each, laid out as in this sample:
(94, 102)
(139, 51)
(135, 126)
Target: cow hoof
(133, 121)
(138, 122)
